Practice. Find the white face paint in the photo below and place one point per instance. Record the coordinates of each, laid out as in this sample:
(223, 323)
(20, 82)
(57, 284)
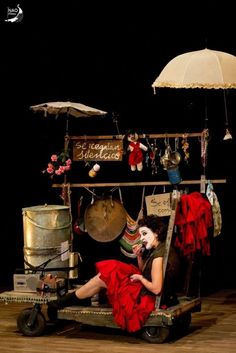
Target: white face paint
(147, 237)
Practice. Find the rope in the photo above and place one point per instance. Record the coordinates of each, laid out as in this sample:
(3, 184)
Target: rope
(91, 192)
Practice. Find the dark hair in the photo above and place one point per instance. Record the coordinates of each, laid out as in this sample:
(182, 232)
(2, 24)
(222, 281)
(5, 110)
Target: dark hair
(156, 224)
(125, 140)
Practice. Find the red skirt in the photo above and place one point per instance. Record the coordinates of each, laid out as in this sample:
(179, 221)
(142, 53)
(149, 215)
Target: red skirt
(130, 309)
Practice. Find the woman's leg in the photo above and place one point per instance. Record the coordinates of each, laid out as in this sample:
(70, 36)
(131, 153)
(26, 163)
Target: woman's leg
(78, 297)
(92, 287)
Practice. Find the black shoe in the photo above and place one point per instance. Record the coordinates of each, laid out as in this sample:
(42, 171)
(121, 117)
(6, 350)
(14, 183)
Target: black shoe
(69, 299)
(52, 310)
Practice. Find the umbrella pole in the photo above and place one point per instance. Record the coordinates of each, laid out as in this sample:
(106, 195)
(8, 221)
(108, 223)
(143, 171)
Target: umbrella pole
(66, 189)
(67, 123)
(206, 113)
(204, 140)
(115, 120)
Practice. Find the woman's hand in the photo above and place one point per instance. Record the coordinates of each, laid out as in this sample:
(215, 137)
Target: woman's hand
(136, 277)
(137, 249)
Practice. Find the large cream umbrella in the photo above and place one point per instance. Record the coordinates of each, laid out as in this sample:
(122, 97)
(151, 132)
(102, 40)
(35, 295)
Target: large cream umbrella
(199, 69)
(207, 69)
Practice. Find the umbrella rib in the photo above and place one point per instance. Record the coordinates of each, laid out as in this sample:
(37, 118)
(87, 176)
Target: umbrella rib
(218, 63)
(187, 66)
(78, 110)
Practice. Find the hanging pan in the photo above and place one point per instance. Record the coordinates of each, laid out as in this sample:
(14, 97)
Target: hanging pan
(105, 219)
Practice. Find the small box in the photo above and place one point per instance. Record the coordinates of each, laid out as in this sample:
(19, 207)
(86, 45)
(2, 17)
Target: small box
(26, 282)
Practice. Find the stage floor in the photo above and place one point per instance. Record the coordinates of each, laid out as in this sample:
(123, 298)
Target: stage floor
(213, 330)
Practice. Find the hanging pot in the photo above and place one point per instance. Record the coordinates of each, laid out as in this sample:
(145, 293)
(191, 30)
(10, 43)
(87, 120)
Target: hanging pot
(175, 158)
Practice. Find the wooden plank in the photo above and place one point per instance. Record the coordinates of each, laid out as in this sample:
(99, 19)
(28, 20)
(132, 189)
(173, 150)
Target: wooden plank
(142, 183)
(141, 136)
(21, 297)
(97, 137)
(97, 316)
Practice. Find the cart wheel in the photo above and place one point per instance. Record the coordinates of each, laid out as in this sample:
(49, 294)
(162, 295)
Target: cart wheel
(184, 321)
(155, 334)
(35, 329)
(181, 324)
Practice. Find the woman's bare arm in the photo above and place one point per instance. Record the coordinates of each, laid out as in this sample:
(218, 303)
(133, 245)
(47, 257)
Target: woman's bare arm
(154, 286)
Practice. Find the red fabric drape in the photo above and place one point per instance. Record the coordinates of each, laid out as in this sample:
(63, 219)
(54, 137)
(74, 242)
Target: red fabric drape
(193, 220)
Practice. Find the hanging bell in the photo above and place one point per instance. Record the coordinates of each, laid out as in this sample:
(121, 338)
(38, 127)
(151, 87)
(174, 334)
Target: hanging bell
(228, 135)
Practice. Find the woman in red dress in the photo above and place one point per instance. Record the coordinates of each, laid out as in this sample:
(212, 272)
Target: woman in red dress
(131, 290)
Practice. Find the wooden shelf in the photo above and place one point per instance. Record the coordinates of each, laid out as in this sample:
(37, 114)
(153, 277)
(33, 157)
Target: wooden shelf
(142, 136)
(141, 183)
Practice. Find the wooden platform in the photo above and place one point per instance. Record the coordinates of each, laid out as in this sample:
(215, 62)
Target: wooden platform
(213, 330)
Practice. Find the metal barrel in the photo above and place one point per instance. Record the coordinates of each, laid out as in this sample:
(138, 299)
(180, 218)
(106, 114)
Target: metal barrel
(47, 238)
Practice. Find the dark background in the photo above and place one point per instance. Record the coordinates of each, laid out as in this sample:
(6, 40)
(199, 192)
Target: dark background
(106, 54)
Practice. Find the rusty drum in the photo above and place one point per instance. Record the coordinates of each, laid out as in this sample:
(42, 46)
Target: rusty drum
(47, 238)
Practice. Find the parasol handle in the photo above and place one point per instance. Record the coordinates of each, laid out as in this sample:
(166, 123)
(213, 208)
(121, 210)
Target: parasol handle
(67, 121)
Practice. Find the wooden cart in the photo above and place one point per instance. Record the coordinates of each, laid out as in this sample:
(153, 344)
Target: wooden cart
(157, 329)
